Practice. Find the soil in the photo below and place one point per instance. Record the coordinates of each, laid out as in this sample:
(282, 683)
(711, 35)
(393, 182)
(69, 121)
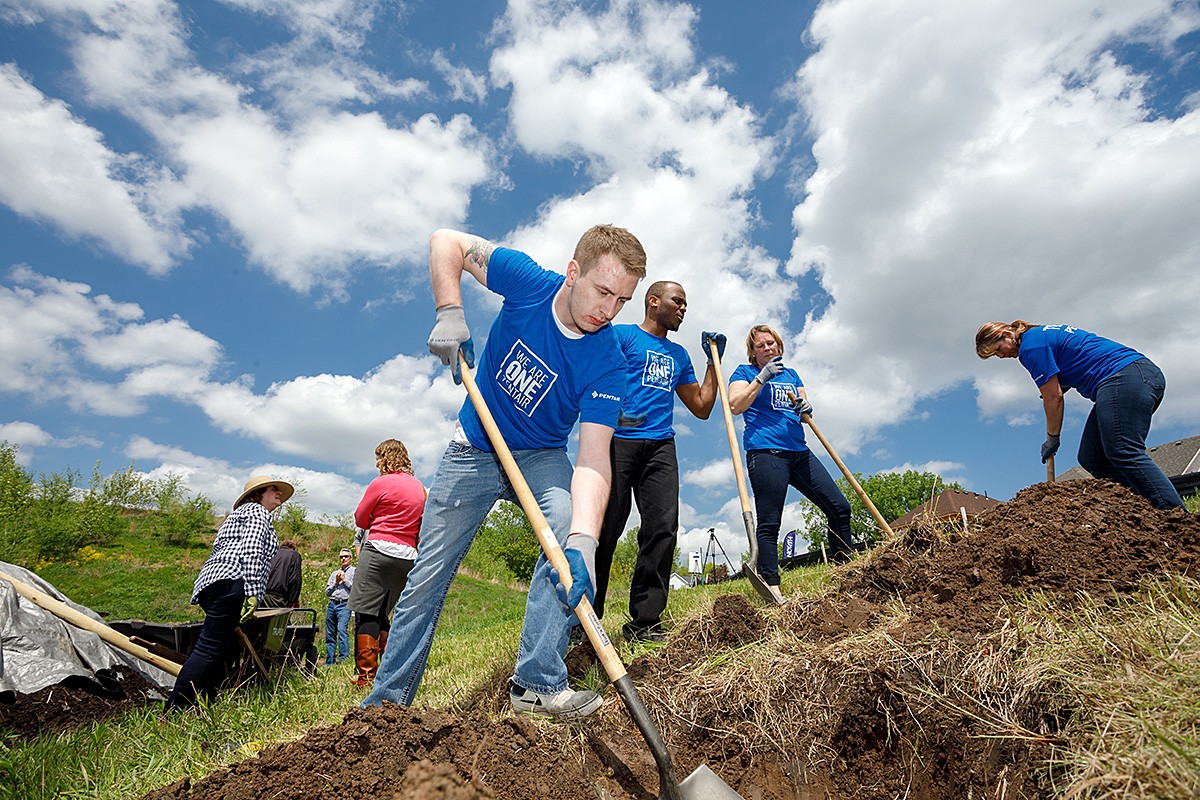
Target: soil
(74, 703)
(843, 726)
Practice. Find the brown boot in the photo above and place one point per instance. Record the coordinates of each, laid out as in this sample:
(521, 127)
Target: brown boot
(382, 643)
(366, 658)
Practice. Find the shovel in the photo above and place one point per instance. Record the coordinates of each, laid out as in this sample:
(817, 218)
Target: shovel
(703, 783)
(1050, 469)
(769, 593)
(858, 490)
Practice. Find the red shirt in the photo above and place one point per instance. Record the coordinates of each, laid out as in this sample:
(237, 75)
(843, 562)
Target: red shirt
(391, 508)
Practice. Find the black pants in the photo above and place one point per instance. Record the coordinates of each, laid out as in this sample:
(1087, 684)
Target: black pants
(207, 665)
(771, 472)
(650, 472)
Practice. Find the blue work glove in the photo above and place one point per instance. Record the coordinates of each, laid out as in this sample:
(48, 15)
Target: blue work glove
(774, 367)
(803, 406)
(580, 551)
(716, 338)
(1049, 447)
(249, 606)
(633, 421)
(449, 335)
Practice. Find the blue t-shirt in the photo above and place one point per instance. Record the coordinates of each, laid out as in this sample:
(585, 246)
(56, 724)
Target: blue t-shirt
(771, 420)
(654, 366)
(536, 377)
(1081, 360)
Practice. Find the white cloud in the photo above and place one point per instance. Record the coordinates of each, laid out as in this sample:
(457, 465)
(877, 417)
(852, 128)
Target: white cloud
(711, 475)
(324, 494)
(660, 148)
(989, 161)
(311, 191)
(55, 167)
(951, 471)
(27, 437)
(464, 84)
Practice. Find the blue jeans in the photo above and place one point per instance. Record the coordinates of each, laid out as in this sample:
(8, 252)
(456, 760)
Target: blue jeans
(468, 483)
(1113, 443)
(771, 472)
(337, 630)
(205, 667)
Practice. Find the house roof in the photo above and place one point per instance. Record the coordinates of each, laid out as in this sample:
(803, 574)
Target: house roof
(949, 503)
(1179, 460)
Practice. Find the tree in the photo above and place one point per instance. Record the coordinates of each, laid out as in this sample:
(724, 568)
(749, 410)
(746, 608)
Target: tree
(506, 536)
(893, 493)
(16, 502)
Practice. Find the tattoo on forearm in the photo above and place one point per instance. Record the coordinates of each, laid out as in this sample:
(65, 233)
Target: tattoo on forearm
(479, 253)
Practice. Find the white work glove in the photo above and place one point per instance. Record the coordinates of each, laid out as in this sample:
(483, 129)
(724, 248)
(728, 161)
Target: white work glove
(774, 367)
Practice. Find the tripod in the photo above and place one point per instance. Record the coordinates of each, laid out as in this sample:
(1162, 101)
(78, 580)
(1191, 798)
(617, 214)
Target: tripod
(710, 552)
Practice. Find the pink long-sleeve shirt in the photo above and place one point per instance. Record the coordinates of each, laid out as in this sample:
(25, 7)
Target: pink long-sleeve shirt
(391, 508)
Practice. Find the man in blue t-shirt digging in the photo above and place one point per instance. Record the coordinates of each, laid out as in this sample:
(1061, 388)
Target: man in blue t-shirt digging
(551, 358)
(643, 453)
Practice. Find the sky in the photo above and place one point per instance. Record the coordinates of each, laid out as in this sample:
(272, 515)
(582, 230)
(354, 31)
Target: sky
(214, 217)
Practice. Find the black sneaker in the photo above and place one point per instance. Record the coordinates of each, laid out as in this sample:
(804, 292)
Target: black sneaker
(566, 705)
(654, 635)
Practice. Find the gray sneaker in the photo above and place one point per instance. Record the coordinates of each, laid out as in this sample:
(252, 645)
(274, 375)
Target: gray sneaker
(565, 705)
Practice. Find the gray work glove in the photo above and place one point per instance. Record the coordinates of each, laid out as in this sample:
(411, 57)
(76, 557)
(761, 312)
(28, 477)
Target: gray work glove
(803, 406)
(716, 338)
(1049, 447)
(449, 335)
(774, 367)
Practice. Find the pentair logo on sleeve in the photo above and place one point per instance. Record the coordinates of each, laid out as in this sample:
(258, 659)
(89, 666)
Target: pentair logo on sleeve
(659, 372)
(525, 377)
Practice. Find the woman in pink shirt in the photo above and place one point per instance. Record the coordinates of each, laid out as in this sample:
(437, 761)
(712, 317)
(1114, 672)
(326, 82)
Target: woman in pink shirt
(390, 511)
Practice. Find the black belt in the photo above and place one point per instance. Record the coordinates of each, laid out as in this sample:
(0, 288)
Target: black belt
(339, 602)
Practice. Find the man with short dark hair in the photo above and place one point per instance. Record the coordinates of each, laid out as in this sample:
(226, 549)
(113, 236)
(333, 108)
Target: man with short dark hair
(643, 457)
(551, 359)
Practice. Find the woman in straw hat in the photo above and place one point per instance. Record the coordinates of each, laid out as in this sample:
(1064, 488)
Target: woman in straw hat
(1125, 386)
(230, 584)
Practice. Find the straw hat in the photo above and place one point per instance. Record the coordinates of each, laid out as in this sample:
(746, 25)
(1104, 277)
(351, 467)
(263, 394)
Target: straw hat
(259, 481)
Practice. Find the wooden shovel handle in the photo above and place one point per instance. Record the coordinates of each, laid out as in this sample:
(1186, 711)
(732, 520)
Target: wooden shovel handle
(858, 490)
(541, 528)
(1050, 469)
(738, 471)
(68, 614)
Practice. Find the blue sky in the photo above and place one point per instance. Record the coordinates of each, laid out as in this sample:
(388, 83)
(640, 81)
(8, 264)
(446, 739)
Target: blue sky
(215, 215)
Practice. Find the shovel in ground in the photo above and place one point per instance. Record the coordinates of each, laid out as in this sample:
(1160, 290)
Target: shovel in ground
(769, 593)
(703, 783)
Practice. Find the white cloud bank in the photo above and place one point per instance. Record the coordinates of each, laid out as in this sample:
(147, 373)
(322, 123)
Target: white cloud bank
(989, 161)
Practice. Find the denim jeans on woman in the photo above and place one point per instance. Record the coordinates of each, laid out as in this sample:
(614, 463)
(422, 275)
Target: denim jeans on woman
(771, 472)
(468, 482)
(207, 664)
(1113, 443)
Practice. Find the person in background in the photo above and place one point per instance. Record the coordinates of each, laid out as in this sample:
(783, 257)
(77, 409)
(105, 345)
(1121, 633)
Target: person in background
(1125, 388)
(773, 398)
(283, 578)
(390, 511)
(642, 454)
(337, 611)
(551, 360)
(229, 586)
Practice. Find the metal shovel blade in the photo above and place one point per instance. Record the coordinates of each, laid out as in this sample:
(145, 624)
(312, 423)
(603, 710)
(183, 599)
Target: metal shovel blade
(704, 784)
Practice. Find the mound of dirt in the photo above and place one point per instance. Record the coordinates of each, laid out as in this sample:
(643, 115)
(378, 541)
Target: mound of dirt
(74, 703)
(781, 703)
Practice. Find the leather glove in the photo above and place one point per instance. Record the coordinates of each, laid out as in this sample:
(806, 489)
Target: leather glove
(249, 606)
(774, 367)
(803, 406)
(449, 335)
(1049, 447)
(716, 338)
(580, 551)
